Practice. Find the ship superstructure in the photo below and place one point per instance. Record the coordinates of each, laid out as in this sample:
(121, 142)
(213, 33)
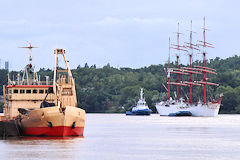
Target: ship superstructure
(206, 108)
(27, 90)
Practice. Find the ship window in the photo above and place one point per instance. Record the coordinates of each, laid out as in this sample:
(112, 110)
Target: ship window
(22, 91)
(15, 91)
(41, 91)
(35, 91)
(28, 91)
(10, 91)
(67, 91)
(46, 91)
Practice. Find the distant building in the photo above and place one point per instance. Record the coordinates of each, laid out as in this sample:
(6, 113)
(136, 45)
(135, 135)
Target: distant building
(6, 65)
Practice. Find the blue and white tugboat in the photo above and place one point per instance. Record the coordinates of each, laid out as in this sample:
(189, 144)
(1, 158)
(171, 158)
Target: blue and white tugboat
(141, 108)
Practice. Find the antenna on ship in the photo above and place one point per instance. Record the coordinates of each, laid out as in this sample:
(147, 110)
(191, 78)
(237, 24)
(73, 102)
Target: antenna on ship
(29, 68)
(29, 47)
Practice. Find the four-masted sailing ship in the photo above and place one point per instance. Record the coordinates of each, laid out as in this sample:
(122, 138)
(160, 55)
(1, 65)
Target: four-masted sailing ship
(44, 108)
(203, 108)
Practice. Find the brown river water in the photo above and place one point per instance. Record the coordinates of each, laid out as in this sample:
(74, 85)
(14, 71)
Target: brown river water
(120, 137)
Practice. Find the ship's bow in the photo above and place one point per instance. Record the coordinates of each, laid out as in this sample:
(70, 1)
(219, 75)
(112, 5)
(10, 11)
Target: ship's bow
(54, 121)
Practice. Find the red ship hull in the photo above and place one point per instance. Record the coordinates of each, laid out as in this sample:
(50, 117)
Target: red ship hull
(51, 121)
(58, 131)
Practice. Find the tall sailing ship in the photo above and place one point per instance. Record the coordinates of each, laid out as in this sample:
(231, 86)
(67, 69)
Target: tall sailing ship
(203, 108)
(44, 108)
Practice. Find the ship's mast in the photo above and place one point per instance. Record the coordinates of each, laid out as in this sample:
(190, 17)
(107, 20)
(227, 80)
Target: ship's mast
(168, 74)
(191, 47)
(141, 94)
(204, 44)
(29, 68)
(190, 62)
(179, 48)
(204, 60)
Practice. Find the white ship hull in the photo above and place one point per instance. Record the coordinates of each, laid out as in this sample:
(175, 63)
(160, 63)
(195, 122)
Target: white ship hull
(198, 110)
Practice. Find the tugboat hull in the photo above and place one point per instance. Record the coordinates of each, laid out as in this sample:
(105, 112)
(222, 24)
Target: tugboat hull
(51, 121)
(139, 112)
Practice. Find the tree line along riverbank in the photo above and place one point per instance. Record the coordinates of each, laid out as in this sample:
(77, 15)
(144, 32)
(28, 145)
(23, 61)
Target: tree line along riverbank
(108, 89)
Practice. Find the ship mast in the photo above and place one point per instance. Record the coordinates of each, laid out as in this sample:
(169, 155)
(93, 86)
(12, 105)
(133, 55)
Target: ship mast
(191, 47)
(168, 74)
(190, 62)
(204, 60)
(141, 94)
(179, 48)
(29, 69)
(205, 44)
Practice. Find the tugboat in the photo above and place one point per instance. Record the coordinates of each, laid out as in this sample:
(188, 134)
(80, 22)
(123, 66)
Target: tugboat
(141, 108)
(45, 108)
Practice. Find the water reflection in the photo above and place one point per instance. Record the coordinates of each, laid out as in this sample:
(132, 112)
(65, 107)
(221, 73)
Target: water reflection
(39, 147)
(115, 136)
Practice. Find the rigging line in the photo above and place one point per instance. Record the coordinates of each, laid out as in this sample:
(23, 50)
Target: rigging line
(183, 89)
(211, 95)
(184, 92)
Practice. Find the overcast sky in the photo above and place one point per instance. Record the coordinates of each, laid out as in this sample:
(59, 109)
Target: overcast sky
(124, 33)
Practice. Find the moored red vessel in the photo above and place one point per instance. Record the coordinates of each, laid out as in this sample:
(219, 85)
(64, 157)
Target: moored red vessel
(45, 108)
